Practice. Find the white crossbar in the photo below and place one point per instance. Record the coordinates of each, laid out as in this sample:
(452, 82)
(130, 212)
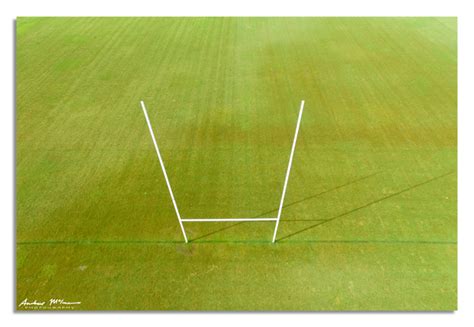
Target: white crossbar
(190, 220)
(196, 220)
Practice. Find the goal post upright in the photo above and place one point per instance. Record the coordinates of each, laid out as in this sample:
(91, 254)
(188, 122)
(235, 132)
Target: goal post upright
(164, 170)
(196, 220)
(280, 208)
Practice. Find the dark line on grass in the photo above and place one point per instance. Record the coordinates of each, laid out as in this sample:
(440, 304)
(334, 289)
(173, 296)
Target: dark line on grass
(127, 242)
(366, 205)
(233, 225)
(297, 220)
(336, 241)
(319, 194)
(215, 232)
(91, 242)
(323, 221)
(288, 205)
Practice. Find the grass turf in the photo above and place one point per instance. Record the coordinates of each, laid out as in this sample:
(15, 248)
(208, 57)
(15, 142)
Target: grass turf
(370, 215)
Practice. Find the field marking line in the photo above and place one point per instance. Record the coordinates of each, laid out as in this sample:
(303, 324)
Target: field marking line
(288, 171)
(164, 170)
(225, 219)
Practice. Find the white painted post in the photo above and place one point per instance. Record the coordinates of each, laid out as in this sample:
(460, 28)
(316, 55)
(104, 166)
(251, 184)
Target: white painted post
(214, 220)
(164, 170)
(288, 171)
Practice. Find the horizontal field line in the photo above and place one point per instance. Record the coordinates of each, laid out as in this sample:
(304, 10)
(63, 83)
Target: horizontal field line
(225, 219)
(128, 242)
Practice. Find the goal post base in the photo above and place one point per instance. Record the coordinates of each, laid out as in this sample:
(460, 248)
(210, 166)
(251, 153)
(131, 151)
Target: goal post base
(214, 220)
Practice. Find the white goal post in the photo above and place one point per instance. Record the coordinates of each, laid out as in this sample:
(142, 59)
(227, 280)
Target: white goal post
(197, 220)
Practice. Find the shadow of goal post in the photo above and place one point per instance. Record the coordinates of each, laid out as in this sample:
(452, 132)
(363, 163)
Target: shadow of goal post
(199, 220)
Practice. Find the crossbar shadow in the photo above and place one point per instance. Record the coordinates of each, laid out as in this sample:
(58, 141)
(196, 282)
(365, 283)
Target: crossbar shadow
(289, 205)
(365, 206)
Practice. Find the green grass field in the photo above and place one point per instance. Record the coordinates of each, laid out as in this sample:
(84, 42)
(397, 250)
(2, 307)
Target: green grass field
(370, 217)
